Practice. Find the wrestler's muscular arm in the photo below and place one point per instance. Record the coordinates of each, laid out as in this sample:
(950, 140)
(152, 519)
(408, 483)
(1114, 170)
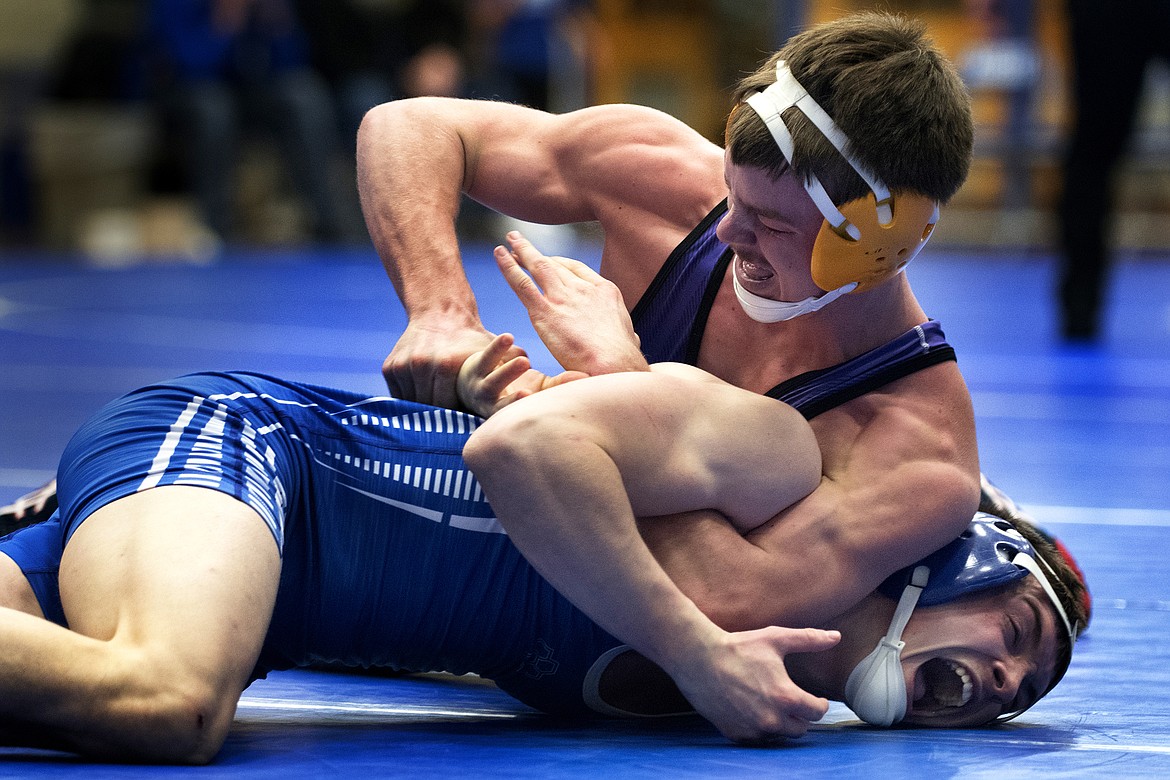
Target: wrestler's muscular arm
(577, 462)
(900, 480)
(643, 175)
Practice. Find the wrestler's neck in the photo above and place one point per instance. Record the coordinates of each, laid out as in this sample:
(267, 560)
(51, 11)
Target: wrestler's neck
(825, 674)
(759, 356)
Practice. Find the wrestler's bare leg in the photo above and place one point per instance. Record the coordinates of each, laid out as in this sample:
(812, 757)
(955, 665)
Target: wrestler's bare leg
(168, 594)
(15, 592)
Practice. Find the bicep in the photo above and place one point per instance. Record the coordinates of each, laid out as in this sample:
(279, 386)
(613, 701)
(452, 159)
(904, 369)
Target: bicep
(905, 481)
(897, 492)
(596, 164)
(705, 444)
(680, 439)
(894, 489)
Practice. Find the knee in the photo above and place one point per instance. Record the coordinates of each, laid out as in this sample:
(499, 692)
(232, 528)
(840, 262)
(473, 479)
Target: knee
(166, 714)
(191, 720)
(195, 721)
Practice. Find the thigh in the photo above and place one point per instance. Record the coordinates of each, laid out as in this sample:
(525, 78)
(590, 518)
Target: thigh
(15, 590)
(187, 575)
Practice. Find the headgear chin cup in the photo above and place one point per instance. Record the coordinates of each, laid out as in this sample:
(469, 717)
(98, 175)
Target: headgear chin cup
(865, 241)
(876, 688)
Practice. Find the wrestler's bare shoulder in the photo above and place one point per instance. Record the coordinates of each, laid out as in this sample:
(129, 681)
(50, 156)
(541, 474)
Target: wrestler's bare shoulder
(919, 429)
(646, 159)
(928, 402)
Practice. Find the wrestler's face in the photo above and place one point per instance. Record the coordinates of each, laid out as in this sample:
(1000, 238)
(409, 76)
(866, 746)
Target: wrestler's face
(972, 660)
(771, 224)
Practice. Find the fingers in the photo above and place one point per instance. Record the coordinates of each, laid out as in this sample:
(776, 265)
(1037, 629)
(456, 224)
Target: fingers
(545, 270)
(516, 277)
(398, 383)
(790, 720)
(484, 379)
(804, 640)
(809, 709)
(497, 349)
(442, 392)
(756, 701)
(497, 380)
(425, 362)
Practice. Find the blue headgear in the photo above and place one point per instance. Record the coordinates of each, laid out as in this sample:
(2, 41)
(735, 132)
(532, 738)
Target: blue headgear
(990, 553)
(979, 559)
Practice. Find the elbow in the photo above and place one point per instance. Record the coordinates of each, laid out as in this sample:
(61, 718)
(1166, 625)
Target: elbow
(385, 120)
(485, 447)
(415, 108)
(426, 112)
(509, 441)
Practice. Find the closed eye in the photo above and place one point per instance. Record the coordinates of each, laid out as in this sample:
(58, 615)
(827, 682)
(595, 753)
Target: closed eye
(775, 231)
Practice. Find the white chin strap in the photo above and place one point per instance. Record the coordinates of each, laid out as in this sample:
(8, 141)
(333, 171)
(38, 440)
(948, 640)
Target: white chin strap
(876, 688)
(767, 310)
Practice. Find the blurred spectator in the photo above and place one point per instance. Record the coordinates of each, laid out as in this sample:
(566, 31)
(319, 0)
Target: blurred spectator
(102, 62)
(1006, 61)
(535, 53)
(1112, 43)
(532, 52)
(226, 65)
(374, 51)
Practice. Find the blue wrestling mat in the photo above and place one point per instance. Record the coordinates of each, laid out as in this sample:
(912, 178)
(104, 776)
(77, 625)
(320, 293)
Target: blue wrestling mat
(1079, 435)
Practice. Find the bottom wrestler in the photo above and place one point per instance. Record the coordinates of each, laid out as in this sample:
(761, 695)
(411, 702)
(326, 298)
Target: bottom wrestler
(219, 526)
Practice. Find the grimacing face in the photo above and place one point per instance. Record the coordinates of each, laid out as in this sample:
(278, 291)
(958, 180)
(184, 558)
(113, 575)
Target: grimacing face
(771, 225)
(969, 661)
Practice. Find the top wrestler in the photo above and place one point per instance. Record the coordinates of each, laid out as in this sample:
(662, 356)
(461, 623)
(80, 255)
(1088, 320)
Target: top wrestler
(708, 246)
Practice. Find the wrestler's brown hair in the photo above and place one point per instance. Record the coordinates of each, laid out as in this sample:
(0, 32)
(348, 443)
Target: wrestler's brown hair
(896, 96)
(1069, 583)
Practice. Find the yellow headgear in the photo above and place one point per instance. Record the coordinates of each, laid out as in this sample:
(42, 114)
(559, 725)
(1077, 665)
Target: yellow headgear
(868, 240)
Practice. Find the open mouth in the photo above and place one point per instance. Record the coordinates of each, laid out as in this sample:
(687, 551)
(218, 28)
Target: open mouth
(754, 272)
(945, 684)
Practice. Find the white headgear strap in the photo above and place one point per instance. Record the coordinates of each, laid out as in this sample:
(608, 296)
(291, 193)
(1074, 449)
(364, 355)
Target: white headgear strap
(876, 688)
(771, 104)
(767, 310)
(787, 92)
(1025, 561)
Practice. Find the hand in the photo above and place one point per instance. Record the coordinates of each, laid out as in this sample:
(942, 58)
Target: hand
(579, 315)
(744, 689)
(490, 380)
(425, 363)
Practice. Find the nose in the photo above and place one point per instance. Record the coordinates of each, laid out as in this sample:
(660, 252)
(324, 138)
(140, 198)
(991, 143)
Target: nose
(1008, 676)
(733, 228)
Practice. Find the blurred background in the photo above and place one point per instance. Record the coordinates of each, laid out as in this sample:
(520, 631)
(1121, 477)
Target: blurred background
(169, 128)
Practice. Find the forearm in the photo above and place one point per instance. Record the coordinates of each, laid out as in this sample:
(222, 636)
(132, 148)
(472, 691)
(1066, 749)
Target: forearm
(411, 171)
(572, 520)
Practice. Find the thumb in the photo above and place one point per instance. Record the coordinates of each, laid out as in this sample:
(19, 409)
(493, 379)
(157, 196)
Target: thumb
(563, 377)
